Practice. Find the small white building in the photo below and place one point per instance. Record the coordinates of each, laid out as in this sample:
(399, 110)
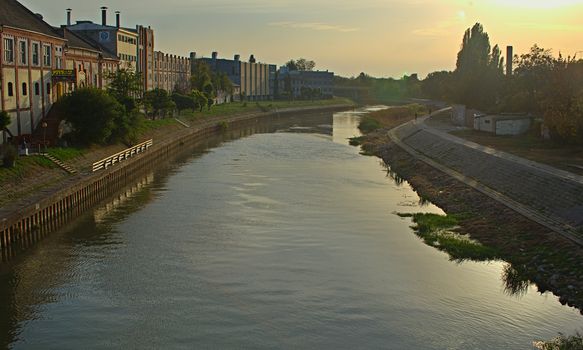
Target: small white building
(503, 124)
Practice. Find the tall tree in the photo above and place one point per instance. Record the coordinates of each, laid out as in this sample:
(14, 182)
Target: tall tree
(126, 87)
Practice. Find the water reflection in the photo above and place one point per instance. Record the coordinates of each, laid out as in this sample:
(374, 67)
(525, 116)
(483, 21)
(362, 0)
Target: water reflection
(271, 241)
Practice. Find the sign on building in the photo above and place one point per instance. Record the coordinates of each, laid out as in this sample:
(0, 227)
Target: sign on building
(64, 75)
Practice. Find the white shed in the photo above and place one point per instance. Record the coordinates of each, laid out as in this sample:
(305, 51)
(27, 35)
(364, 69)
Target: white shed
(503, 124)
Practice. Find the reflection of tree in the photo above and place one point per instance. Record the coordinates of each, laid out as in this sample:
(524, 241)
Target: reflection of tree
(515, 280)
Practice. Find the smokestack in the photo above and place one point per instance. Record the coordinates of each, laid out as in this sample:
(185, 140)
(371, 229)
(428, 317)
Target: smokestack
(104, 16)
(509, 56)
(215, 55)
(69, 17)
(117, 19)
(237, 57)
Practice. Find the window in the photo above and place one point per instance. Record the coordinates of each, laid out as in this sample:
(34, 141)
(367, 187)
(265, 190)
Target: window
(59, 62)
(23, 52)
(36, 89)
(48, 88)
(24, 89)
(35, 54)
(9, 50)
(10, 89)
(47, 60)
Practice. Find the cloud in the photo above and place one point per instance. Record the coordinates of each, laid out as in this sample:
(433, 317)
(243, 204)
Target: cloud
(314, 26)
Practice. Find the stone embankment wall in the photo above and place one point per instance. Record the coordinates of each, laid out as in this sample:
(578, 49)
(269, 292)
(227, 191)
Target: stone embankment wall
(22, 226)
(557, 198)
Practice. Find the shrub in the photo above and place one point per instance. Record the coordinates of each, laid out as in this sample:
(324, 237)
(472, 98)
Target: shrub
(9, 155)
(368, 125)
(95, 116)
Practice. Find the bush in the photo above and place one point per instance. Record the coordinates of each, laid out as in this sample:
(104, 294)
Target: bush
(4, 120)
(368, 125)
(9, 155)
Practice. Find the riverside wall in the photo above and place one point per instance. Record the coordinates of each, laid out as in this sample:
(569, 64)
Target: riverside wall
(22, 225)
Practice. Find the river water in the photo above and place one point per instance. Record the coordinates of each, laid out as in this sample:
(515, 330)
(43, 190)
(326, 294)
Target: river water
(274, 240)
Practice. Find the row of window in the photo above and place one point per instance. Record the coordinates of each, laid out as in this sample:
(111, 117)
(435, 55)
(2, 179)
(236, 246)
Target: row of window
(126, 39)
(124, 57)
(170, 65)
(10, 89)
(35, 51)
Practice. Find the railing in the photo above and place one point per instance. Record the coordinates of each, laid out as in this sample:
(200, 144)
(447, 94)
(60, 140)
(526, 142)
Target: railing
(125, 154)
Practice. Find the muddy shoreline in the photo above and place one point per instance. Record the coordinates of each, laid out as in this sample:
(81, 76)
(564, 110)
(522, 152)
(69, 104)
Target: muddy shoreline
(536, 254)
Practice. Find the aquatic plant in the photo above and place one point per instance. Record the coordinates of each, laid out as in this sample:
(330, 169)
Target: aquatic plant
(561, 342)
(440, 231)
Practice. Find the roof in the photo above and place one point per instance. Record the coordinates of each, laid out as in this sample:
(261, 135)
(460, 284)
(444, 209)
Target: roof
(499, 117)
(15, 15)
(76, 40)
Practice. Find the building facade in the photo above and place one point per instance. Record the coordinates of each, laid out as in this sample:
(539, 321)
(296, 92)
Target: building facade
(145, 64)
(251, 78)
(122, 42)
(30, 49)
(171, 72)
(300, 84)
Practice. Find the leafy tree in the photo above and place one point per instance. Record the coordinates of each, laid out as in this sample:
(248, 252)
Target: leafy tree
(158, 103)
(183, 102)
(200, 99)
(301, 64)
(4, 120)
(202, 77)
(126, 87)
(561, 101)
(94, 115)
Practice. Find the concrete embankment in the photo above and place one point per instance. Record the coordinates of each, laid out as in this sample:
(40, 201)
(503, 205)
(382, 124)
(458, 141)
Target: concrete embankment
(24, 223)
(550, 197)
(489, 192)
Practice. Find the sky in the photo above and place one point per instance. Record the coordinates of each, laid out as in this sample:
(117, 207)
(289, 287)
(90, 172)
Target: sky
(383, 38)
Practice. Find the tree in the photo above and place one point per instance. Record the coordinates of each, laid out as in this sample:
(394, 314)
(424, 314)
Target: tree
(94, 115)
(183, 102)
(158, 103)
(126, 87)
(4, 121)
(202, 77)
(200, 99)
(301, 64)
(478, 76)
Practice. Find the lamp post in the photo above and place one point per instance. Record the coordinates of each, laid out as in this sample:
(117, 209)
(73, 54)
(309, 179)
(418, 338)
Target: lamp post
(44, 126)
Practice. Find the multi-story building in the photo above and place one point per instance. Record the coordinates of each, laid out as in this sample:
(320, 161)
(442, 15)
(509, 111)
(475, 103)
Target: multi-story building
(252, 78)
(30, 49)
(145, 64)
(171, 72)
(89, 63)
(296, 82)
(122, 42)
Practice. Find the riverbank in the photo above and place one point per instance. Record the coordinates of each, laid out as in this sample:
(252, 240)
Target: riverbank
(536, 254)
(28, 220)
(35, 172)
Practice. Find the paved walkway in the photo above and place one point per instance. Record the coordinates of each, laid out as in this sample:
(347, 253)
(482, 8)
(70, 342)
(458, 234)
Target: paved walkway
(549, 196)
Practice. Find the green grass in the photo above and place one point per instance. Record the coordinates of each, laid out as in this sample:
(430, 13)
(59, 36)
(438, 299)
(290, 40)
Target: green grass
(561, 342)
(23, 166)
(439, 231)
(149, 124)
(65, 153)
(356, 141)
(368, 125)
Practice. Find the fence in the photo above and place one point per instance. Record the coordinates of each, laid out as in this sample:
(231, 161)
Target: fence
(125, 154)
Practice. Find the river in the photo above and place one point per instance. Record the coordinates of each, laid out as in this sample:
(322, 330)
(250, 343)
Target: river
(272, 240)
